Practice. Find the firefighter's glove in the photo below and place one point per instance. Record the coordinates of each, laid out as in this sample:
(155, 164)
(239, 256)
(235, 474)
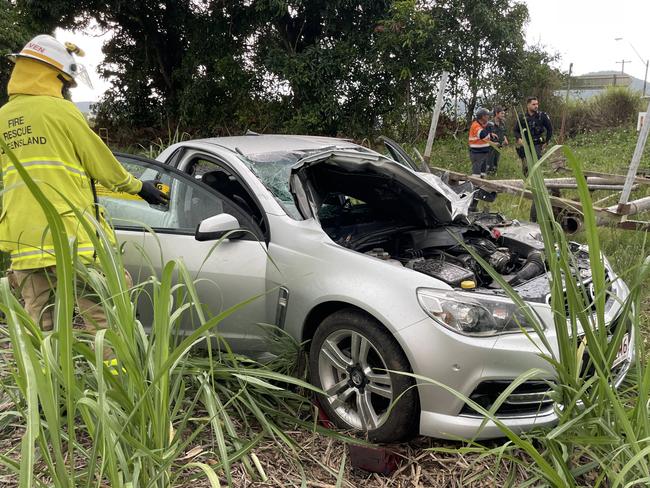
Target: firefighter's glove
(150, 194)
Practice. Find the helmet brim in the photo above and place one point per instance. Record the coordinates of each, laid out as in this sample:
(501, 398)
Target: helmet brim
(70, 79)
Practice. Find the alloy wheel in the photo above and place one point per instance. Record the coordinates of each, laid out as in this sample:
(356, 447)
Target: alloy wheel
(354, 376)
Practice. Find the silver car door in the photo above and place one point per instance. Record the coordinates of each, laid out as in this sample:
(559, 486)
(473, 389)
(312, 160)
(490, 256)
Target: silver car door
(226, 273)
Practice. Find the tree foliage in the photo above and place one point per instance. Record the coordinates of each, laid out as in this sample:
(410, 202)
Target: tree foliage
(530, 74)
(318, 66)
(16, 30)
(486, 37)
(319, 53)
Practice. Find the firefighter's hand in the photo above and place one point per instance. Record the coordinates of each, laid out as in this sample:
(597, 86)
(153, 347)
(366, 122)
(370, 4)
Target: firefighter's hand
(518, 142)
(150, 194)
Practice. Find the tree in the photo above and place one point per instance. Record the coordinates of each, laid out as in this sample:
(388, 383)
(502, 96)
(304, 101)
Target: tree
(532, 74)
(160, 56)
(481, 40)
(316, 66)
(319, 54)
(17, 30)
(408, 48)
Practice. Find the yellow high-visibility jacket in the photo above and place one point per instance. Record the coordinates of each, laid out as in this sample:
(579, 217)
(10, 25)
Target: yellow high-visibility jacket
(62, 154)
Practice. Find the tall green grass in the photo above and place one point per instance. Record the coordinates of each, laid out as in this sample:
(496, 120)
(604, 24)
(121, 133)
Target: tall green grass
(614, 107)
(159, 145)
(602, 437)
(88, 424)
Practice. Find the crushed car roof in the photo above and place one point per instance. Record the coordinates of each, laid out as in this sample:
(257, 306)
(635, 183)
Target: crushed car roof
(254, 146)
(249, 145)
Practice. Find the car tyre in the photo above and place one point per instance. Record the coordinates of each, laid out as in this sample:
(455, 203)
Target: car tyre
(349, 356)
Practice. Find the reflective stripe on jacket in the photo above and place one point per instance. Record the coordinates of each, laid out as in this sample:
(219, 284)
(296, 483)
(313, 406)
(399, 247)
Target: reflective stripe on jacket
(478, 137)
(53, 142)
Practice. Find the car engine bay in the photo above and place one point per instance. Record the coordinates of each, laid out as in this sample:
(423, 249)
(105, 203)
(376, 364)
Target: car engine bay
(376, 209)
(514, 249)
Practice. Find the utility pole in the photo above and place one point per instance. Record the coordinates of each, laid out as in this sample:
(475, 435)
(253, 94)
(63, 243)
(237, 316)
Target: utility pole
(636, 160)
(434, 116)
(622, 63)
(646, 61)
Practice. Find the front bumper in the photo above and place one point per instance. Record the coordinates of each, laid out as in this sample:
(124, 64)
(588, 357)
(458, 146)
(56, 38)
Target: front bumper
(463, 363)
(463, 427)
(475, 427)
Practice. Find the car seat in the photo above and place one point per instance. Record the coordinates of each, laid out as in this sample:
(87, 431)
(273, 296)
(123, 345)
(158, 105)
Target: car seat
(230, 188)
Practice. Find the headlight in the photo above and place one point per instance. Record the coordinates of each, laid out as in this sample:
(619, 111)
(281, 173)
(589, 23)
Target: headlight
(472, 314)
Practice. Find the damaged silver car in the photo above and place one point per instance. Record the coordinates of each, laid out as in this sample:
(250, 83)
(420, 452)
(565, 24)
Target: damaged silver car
(364, 259)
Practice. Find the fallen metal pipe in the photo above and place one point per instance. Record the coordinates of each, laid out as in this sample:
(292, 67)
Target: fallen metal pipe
(631, 208)
(573, 186)
(570, 222)
(613, 178)
(592, 181)
(494, 185)
(609, 216)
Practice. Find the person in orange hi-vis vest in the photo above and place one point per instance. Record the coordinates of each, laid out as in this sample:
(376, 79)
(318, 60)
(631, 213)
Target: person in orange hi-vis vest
(479, 142)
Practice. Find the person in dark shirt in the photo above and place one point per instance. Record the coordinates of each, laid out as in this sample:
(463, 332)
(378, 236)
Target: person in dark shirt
(497, 126)
(534, 125)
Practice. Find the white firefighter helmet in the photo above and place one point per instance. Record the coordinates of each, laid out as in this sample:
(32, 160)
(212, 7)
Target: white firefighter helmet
(48, 50)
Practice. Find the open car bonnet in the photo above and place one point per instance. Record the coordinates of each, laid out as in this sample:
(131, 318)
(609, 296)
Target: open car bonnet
(421, 198)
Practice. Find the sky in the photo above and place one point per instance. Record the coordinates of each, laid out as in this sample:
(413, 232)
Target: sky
(91, 42)
(583, 32)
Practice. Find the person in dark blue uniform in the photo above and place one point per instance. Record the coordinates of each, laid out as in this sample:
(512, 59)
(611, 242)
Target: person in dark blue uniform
(534, 125)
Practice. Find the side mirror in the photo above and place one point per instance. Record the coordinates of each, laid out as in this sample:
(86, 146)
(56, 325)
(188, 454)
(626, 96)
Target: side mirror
(216, 227)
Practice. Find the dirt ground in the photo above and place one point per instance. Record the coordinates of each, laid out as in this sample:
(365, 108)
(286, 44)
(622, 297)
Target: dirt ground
(321, 458)
(417, 466)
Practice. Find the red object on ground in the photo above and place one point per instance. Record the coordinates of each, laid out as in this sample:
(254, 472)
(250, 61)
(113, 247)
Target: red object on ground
(374, 459)
(369, 458)
(496, 233)
(323, 419)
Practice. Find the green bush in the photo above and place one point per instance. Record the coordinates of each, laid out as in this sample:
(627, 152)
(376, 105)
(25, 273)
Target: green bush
(615, 107)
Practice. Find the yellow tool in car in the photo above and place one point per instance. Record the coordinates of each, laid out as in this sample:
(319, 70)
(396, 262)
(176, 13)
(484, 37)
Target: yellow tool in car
(163, 188)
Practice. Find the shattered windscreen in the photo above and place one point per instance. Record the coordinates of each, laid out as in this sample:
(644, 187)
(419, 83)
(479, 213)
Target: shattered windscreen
(273, 169)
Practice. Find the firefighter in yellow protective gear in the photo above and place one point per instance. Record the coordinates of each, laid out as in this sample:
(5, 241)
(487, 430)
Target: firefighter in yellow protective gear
(53, 142)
